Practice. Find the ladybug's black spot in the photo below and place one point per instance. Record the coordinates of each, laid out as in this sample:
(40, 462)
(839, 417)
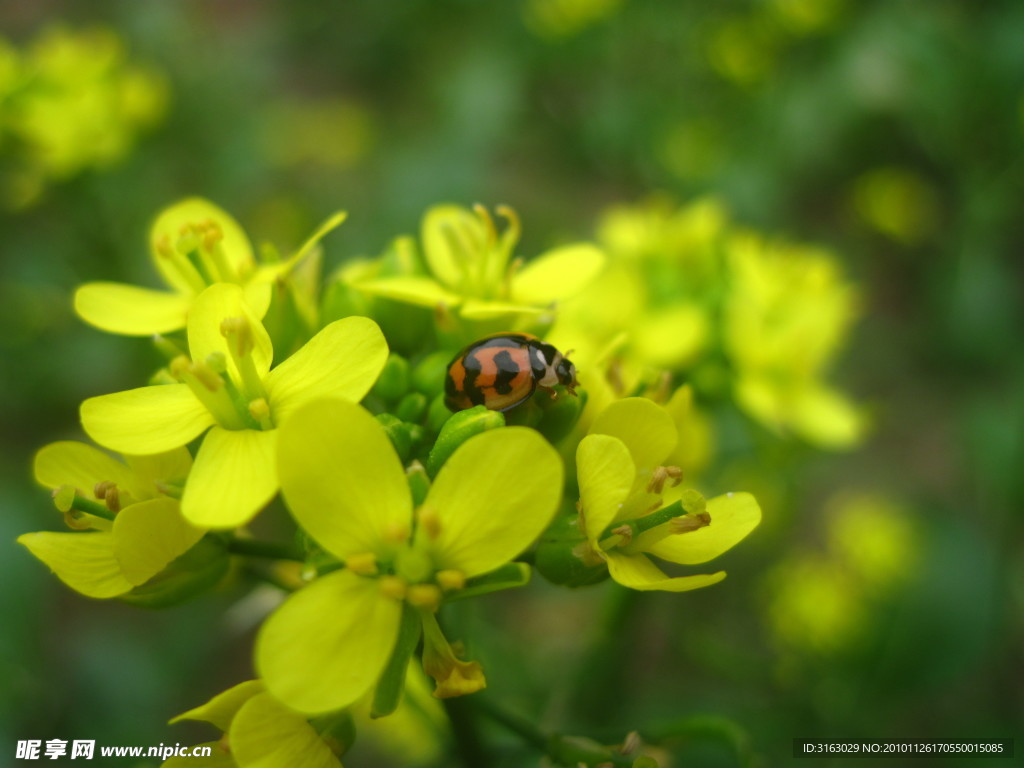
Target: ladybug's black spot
(507, 372)
(473, 370)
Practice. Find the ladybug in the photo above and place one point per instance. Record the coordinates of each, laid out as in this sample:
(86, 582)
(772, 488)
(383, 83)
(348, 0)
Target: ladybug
(502, 371)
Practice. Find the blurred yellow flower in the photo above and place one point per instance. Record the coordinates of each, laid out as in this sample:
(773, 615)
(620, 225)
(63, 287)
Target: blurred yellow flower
(334, 133)
(897, 202)
(555, 19)
(786, 314)
(824, 601)
(78, 104)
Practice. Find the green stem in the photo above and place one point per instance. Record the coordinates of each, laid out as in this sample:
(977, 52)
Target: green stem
(91, 507)
(561, 749)
(518, 724)
(640, 524)
(269, 549)
(270, 577)
(468, 744)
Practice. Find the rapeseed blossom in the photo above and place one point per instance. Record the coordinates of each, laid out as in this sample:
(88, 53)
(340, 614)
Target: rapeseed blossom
(193, 244)
(229, 388)
(345, 485)
(71, 100)
(622, 483)
(471, 267)
(135, 528)
(257, 731)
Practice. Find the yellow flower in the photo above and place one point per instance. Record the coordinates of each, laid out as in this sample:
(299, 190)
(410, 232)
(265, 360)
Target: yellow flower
(74, 102)
(786, 314)
(555, 19)
(193, 244)
(472, 267)
(258, 731)
(648, 311)
(229, 388)
(622, 481)
(138, 529)
(330, 642)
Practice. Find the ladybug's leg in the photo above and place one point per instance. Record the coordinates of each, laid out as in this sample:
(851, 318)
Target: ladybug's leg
(549, 390)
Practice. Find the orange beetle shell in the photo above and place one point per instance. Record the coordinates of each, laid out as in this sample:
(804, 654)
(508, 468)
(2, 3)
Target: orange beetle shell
(496, 372)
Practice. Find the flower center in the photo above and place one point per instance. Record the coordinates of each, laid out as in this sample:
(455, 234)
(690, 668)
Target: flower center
(197, 254)
(234, 404)
(482, 254)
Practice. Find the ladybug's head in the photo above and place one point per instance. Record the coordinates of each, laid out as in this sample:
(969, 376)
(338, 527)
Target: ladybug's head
(567, 375)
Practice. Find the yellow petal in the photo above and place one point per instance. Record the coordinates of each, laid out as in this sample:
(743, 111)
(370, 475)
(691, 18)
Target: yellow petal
(233, 478)
(149, 535)
(83, 561)
(827, 418)
(258, 294)
(195, 210)
(210, 308)
(265, 734)
(162, 467)
(130, 310)
(493, 497)
(82, 466)
(442, 225)
(475, 309)
(412, 290)
(145, 420)
(671, 337)
(637, 572)
(733, 517)
(328, 643)
(330, 224)
(557, 274)
(606, 473)
(343, 360)
(221, 709)
(644, 426)
(342, 479)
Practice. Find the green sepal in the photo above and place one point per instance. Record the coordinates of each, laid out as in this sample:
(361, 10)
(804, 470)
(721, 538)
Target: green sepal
(412, 407)
(399, 433)
(457, 430)
(419, 482)
(391, 685)
(337, 729)
(191, 574)
(508, 576)
(393, 381)
(555, 557)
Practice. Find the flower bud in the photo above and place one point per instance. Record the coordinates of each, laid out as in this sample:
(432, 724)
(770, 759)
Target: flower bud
(399, 433)
(457, 430)
(428, 376)
(412, 407)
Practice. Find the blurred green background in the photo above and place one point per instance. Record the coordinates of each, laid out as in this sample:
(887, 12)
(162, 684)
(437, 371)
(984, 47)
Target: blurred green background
(890, 133)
